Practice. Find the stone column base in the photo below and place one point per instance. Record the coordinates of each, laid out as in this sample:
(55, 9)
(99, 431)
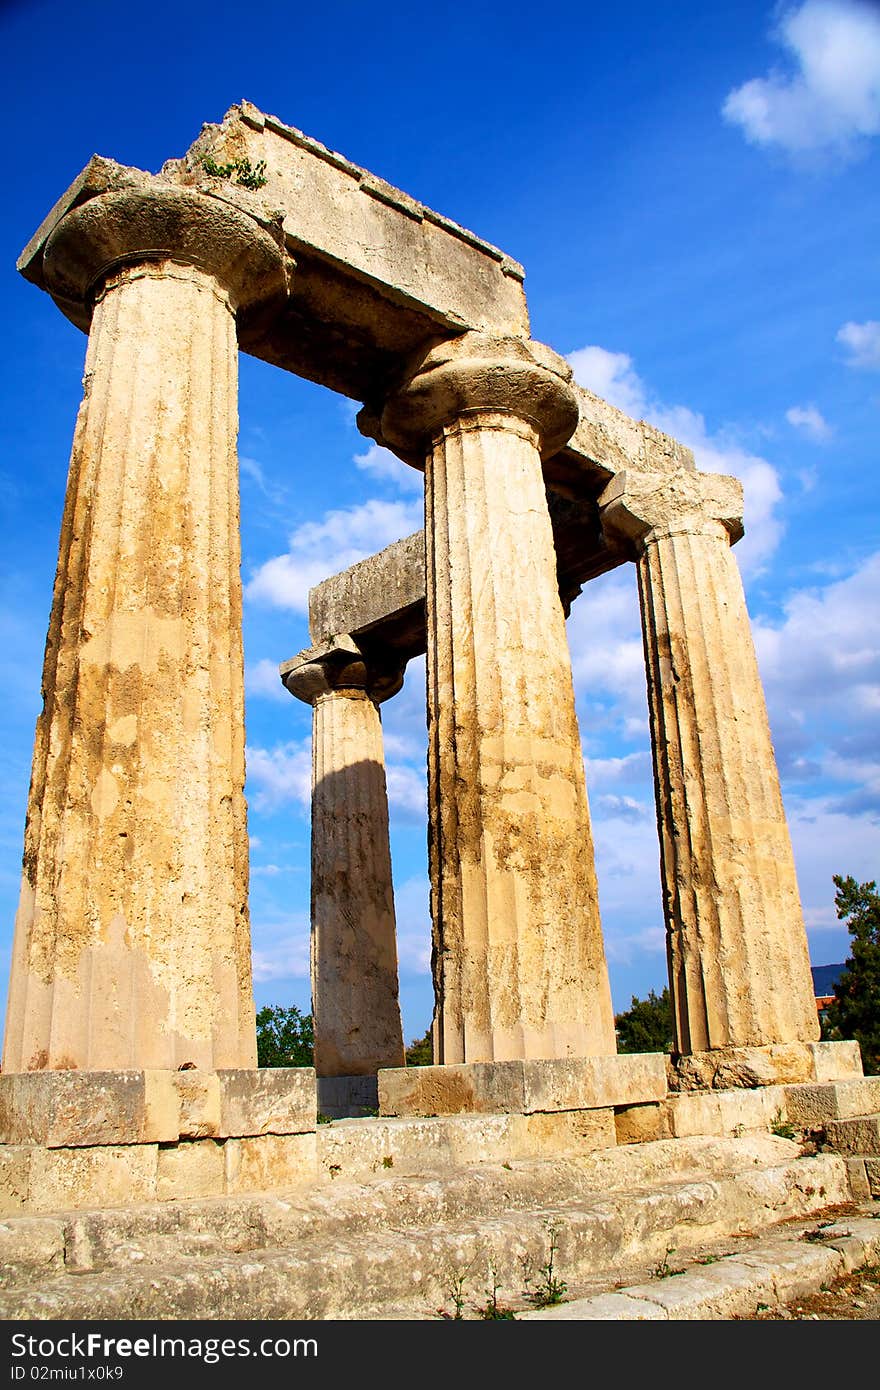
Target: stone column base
(524, 1087)
(73, 1139)
(778, 1064)
(347, 1097)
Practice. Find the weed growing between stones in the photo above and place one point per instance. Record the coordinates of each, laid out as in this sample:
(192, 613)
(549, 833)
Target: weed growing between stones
(550, 1288)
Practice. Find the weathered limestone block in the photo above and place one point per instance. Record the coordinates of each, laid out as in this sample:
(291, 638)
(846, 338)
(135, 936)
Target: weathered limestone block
(198, 1095)
(193, 1169)
(777, 1064)
(641, 1124)
(270, 1162)
(15, 1177)
(739, 964)
(132, 940)
(31, 1247)
(526, 1087)
(272, 1100)
(856, 1135)
(727, 1112)
(519, 963)
(354, 945)
(836, 1061)
(72, 1109)
(112, 1175)
(814, 1104)
(411, 1144)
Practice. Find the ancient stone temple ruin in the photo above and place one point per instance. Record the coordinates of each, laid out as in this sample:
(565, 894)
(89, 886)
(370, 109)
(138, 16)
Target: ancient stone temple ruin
(129, 1067)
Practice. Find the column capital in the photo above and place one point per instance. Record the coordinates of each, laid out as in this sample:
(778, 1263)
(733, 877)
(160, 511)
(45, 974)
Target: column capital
(644, 507)
(471, 379)
(342, 665)
(161, 223)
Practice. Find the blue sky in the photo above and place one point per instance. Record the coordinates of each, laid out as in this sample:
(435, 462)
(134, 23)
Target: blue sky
(694, 193)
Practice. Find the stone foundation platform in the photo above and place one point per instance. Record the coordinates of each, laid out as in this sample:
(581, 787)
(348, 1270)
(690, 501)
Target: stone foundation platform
(71, 1140)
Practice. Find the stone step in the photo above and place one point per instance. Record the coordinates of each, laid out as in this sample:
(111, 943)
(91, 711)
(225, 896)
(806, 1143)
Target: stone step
(404, 1194)
(859, 1135)
(814, 1104)
(408, 1242)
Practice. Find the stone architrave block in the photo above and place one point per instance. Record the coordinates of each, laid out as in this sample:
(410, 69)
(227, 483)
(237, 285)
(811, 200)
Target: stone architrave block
(836, 1061)
(523, 1087)
(270, 1162)
(269, 1100)
(841, 1100)
(73, 1109)
(199, 1095)
(112, 1175)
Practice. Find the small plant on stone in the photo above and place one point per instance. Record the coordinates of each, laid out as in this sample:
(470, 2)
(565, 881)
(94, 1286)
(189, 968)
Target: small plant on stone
(455, 1293)
(492, 1310)
(388, 1161)
(782, 1127)
(663, 1270)
(239, 171)
(549, 1288)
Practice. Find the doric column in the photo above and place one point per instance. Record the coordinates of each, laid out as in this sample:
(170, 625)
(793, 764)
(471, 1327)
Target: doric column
(519, 964)
(132, 944)
(738, 959)
(354, 944)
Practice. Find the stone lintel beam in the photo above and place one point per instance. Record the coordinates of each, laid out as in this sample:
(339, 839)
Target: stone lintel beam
(738, 959)
(379, 277)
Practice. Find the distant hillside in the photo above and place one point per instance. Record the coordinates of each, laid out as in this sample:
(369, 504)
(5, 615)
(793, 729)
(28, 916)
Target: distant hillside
(824, 977)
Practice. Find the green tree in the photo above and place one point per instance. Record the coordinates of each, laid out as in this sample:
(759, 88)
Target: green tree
(647, 1025)
(284, 1037)
(420, 1052)
(855, 1010)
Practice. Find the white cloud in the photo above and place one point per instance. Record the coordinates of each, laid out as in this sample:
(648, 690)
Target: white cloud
(412, 912)
(279, 775)
(381, 463)
(321, 548)
(821, 670)
(407, 794)
(281, 949)
(863, 342)
(829, 99)
(810, 421)
(612, 376)
(262, 679)
(282, 775)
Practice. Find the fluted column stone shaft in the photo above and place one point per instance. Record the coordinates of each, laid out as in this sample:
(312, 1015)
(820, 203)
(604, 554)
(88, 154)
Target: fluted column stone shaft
(132, 943)
(355, 1007)
(518, 958)
(738, 958)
